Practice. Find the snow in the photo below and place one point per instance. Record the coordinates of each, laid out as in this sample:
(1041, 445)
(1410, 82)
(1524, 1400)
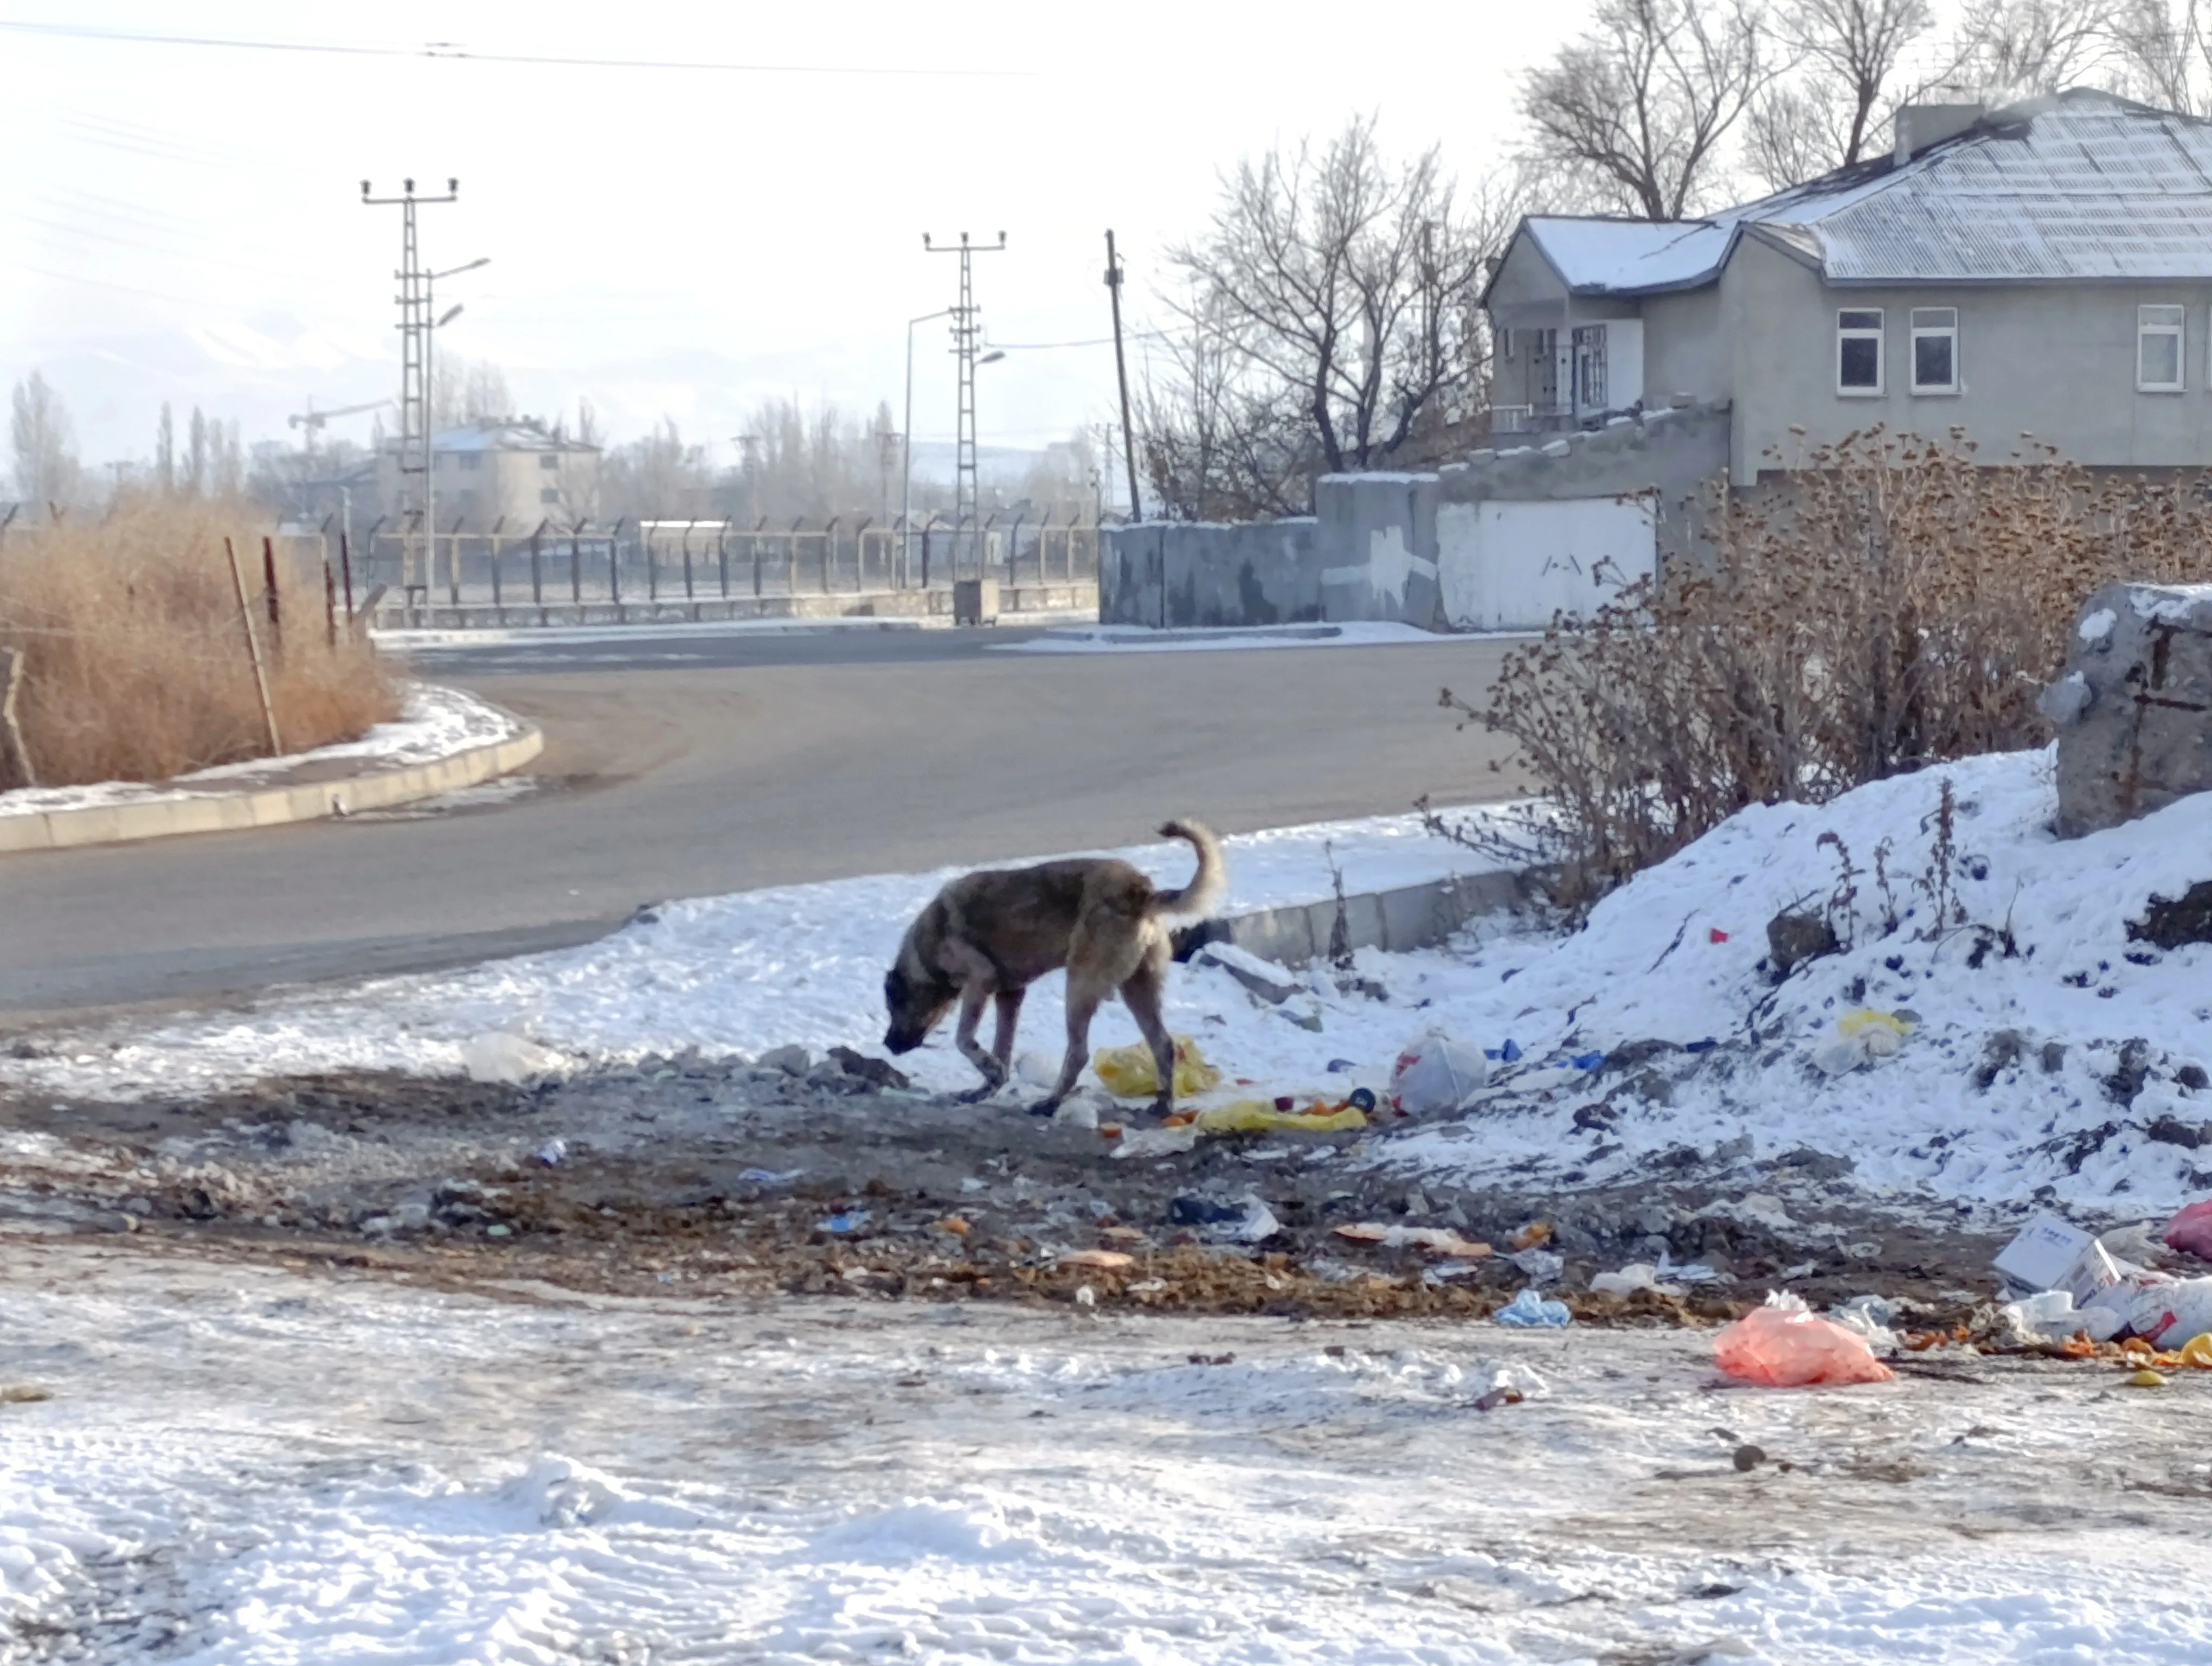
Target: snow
(1145, 639)
(2098, 626)
(435, 723)
(1596, 255)
(1676, 956)
(415, 641)
(743, 973)
(244, 1465)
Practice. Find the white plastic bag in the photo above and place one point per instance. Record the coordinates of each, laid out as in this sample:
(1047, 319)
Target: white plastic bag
(500, 1055)
(1435, 1073)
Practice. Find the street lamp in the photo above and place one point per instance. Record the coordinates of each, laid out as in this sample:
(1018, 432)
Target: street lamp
(430, 430)
(906, 489)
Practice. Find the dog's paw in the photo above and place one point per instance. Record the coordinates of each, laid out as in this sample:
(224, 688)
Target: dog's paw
(976, 1096)
(1044, 1108)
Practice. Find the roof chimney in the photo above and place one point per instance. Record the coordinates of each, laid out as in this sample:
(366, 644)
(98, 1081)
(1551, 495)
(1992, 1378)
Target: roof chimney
(1920, 125)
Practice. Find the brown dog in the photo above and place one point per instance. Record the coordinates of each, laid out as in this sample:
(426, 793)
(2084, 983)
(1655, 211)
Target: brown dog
(987, 936)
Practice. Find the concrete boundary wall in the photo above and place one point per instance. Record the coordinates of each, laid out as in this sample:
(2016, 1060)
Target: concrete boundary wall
(1410, 917)
(222, 813)
(1372, 549)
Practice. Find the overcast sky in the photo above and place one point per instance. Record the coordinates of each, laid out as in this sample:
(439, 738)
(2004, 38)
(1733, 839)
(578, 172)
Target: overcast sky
(183, 222)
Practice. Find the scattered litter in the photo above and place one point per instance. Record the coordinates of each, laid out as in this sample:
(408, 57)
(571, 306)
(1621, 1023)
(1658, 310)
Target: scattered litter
(1130, 1073)
(1862, 1036)
(1782, 1346)
(2191, 1231)
(1105, 1260)
(848, 1220)
(2173, 1312)
(23, 1393)
(956, 1225)
(1716, 935)
(1038, 1069)
(1587, 1061)
(2048, 1314)
(1747, 1458)
(554, 1153)
(2147, 1379)
(1508, 1053)
(1636, 1275)
(1528, 1310)
(876, 1072)
(1435, 1073)
(2049, 1254)
(1156, 1142)
(1085, 1296)
(1497, 1397)
(791, 1059)
(769, 1176)
(1705, 1046)
(499, 1056)
(1440, 1240)
(1259, 1116)
(1077, 1112)
(1538, 1267)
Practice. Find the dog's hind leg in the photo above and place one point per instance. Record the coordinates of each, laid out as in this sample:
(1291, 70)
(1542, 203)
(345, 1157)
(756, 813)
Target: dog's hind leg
(1141, 995)
(971, 1017)
(1009, 1003)
(1082, 1003)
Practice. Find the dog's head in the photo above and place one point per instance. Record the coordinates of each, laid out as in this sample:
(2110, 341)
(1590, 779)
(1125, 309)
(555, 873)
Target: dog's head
(918, 1000)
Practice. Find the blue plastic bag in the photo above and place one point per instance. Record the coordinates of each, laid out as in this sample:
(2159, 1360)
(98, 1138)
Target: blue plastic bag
(1531, 1311)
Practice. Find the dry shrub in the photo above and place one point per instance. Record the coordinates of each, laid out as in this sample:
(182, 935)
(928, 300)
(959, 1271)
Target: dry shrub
(135, 661)
(1895, 605)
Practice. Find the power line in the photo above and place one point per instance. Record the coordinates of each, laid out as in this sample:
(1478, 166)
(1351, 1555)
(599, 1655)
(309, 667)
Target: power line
(451, 51)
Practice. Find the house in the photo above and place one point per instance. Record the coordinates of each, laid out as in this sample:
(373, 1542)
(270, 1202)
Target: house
(512, 472)
(2044, 268)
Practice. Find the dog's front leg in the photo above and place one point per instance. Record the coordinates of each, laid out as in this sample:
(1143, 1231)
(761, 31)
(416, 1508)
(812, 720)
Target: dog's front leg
(971, 1017)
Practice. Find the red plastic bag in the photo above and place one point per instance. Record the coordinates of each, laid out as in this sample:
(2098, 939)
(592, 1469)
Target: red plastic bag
(2191, 1230)
(1786, 1349)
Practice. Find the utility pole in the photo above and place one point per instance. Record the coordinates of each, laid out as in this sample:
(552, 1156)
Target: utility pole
(1121, 370)
(966, 332)
(415, 503)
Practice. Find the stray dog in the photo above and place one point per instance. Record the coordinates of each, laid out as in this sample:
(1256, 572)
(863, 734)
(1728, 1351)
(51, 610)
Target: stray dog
(987, 936)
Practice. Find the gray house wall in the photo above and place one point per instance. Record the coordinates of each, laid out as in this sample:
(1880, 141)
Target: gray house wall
(1685, 349)
(2054, 361)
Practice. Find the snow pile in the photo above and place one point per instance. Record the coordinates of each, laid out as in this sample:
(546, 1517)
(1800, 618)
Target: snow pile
(1145, 639)
(434, 722)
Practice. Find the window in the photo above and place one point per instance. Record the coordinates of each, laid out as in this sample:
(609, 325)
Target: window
(547, 459)
(1935, 349)
(2158, 350)
(1590, 367)
(549, 495)
(472, 459)
(1858, 351)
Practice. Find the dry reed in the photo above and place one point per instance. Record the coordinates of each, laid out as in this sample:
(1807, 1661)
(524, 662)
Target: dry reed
(136, 660)
(1894, 605)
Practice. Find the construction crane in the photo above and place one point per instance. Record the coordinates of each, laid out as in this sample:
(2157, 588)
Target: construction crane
(312, 419)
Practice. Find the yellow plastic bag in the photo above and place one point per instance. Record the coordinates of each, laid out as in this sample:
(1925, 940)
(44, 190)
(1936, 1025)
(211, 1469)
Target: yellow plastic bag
(1129, 1072)
(2196, 1351)
(1260, 1116)
(1872, 1018)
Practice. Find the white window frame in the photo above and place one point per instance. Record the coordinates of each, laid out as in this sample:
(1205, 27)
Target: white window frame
(1878, 333)
(2163, 319)
(1942, 322)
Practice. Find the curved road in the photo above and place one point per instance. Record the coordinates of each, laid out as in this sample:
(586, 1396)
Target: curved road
(682, 766)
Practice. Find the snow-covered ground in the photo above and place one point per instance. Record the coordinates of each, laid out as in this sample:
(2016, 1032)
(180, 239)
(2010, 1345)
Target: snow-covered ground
(741, 972)
(1674, 959)
(434, 722)
(403, 641)
(249, 1466)
(1141, 639)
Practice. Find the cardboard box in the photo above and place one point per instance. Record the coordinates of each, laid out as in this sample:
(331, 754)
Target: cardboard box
(2049, 1254)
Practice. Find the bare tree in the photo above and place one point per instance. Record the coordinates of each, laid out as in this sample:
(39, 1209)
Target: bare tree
(2021, 48)
(470, 391)
(656, 478)
(1835, 110)
(2164, 50)
(1325, 319)
(47, 469)
(1633, 112)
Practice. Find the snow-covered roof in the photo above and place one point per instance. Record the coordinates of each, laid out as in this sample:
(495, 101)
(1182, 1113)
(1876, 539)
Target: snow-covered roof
(2081, 188)
(518, 435)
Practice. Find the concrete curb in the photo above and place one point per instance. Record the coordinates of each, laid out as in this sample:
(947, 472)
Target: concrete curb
(269, 807)
(1410, 917)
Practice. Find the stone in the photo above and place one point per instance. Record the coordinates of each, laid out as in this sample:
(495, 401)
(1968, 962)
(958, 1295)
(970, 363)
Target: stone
(876, 1072)
(1793, 939)
(2133, 707)
(1999, 1054)
(2190, 1076)
(2168, 924)
(2053, 1057)
(2127, 1081)
(1267, 981)
(792, 1060)
(2172, 1131)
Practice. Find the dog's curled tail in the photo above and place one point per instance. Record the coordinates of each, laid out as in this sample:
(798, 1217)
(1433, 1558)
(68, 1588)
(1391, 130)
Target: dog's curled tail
(1198, 899)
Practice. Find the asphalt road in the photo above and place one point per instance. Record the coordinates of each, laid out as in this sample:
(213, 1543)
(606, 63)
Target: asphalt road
(684, 766)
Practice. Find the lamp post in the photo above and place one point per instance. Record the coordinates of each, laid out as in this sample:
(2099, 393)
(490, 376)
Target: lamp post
(906, 488)
(430, 428)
